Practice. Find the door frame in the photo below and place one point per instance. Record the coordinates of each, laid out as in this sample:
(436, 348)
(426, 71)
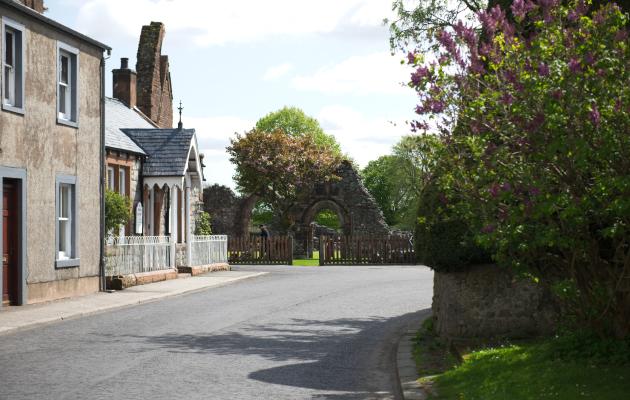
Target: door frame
(20, 175)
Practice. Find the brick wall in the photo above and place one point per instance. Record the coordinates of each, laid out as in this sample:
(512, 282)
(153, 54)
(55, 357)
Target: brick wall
(154, 89)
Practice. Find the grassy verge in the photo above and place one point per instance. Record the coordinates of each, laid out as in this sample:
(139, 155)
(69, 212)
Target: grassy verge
(308, 262)
(563, 368)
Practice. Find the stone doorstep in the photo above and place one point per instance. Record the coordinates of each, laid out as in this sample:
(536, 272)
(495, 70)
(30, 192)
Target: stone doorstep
(203, 269)
(121, 282)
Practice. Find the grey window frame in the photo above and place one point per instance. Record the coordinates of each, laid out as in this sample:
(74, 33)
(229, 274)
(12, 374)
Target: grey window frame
(74, 260)
(20, 57)
(73, 55)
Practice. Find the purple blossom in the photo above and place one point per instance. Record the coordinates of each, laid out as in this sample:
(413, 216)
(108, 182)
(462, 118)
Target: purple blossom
(411, 58)
(595, 115)
(557, 94)
(621, 35)
(446, 40)
(547, 4)
(491, 19)
(534, 191)
(494, 190)
(618, 105)
(506, 187)
(543, 69)
(507, 99)
(574, 66)
(466, 33)
(488, 229)
(589, 58)
(572, 16)
(521, 7)
(537, 122)
(421, 73)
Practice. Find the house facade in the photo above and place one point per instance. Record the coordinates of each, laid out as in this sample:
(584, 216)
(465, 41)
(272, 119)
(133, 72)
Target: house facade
(51, 147)
(157, 166)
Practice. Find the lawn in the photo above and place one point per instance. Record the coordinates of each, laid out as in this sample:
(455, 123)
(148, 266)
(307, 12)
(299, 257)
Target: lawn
(544, 369)
(308, 262)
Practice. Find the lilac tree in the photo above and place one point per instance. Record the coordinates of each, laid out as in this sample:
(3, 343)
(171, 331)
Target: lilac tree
(534, 113)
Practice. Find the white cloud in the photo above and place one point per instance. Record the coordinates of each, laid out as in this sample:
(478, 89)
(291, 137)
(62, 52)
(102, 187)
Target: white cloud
(277, 71)
(213, 136)
(220, 22)
(365, 74)
(364, 138)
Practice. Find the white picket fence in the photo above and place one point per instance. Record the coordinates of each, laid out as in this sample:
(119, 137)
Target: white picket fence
(209, 249)
(134, 254)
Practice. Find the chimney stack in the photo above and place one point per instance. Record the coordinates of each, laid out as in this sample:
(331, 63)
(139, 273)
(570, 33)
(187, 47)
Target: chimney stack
(124, 80)
(37, 5)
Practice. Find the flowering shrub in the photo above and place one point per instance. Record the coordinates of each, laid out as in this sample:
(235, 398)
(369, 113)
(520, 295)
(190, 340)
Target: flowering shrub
(534, 111)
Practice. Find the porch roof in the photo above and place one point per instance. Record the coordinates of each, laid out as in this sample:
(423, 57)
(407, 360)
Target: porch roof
(167, 150)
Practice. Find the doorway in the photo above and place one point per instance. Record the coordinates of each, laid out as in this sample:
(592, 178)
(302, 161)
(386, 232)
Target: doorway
(11, 246)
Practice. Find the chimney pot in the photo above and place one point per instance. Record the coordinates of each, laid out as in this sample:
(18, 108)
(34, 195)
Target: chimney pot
(124, 63)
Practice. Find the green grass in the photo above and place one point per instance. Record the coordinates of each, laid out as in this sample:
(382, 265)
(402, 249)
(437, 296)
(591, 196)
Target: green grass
(539, 370)
(308, 262)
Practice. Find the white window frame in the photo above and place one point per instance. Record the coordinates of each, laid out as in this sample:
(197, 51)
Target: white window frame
(122, 190)
(111, 185)
(69, 256)
(15, 103)
(122, 181)
(71, 115)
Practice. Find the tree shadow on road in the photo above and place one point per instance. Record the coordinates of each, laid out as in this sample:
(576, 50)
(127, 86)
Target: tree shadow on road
(352, 356)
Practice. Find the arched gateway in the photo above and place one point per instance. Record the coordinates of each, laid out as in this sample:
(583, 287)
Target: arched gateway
(355, 207)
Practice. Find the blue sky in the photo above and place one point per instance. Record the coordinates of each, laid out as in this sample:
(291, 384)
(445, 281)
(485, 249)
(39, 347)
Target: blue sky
(233, 62)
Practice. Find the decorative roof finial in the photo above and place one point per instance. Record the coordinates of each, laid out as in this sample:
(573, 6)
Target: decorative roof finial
(180, 125)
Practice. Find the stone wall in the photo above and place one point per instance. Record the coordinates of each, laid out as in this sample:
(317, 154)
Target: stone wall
(223, 205)
(154, 89)
(487, 301)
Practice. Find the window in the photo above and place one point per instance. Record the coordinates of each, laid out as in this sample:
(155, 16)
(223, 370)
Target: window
(67, 253)
(122, 181)
(67, 80)
(110, 178)
(12, 66)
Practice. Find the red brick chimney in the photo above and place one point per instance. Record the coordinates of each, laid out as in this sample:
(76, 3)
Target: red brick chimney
(37, 5)
(124, 80)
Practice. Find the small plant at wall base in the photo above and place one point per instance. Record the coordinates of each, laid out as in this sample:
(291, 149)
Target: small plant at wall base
(117, 210)
(202, 224)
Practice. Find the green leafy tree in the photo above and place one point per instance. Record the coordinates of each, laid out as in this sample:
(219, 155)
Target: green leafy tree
(294, 122)
(203, 225)
(117, 210)
(387, 181)
(329, 219)
(277, 167)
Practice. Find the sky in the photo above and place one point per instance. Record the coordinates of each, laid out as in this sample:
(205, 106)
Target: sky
(232, 62)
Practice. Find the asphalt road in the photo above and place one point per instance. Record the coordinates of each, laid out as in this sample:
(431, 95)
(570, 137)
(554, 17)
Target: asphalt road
(296, 333)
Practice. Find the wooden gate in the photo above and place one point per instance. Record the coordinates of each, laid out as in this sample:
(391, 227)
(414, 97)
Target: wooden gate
(366, 250)
(258, 250)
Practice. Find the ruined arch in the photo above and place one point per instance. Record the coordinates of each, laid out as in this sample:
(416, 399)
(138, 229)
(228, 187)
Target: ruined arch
(348, 197)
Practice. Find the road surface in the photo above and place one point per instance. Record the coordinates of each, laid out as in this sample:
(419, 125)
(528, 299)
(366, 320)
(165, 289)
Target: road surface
(296, 333)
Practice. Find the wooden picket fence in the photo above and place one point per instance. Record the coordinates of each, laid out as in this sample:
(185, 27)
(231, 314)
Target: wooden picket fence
(366, 250)
(256, 250)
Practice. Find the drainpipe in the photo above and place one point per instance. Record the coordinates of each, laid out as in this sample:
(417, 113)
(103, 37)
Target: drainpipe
(102, 177)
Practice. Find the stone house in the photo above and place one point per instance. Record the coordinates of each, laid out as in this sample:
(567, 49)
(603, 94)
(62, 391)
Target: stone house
(51, 147)
(157, 166)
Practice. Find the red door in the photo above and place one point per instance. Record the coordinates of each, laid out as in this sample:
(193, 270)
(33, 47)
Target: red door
(10, 244)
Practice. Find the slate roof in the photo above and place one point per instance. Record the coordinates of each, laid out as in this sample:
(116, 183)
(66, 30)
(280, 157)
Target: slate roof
(167, 149)
(117, 117)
